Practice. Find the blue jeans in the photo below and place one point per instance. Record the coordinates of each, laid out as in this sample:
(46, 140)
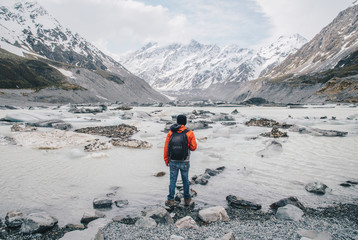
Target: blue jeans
(174, 171)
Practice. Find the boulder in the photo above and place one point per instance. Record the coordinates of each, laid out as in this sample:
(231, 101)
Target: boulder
(17, 128)
(54, 123)
(146, 222)
(314, 235)
(239, 203)
(159, 174)
(131, 143)
(102, 203)
(14, 219)
(197, 125)
(213, 214)
(97, 145)
(316, 187)
(222, 117)
(93, 231)
(289, 212)
(186, 222)
(91, 215)
(75, 226)
(283, 202)
(38, 223)
(275, 133)
(262, 122)
(125, 219)
(318, 132)
(121, 203)
(120, 131)
(160, 215)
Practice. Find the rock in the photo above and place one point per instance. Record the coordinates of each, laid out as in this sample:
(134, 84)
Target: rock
(289, 212)
(131, 143)
(197, 125)
(102, 203)
(318, 132)
(159, 174)
(272, 149)
(262, 122)
(14, 219)
(222, 117)
(314, 235)
(121, 203)
(54, 123)
(91, 215)
(201, 180)
(146, 222)
(97, 145)
(275, 133)
(120, 131)
(212, 172)
(123, 107)
(0, 223)
(316, 187)
(187, 222)
(17, 128)
(75, 226)
(38, 223)
(93, 231)
(126, 220)
(175, 237)
(213, 214)
(283, 202)
(239, 203)
(160, 215)
(93, 110)
(228, 123)
(235, 112)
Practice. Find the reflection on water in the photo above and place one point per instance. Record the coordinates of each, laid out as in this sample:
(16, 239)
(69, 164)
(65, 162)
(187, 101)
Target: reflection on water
(64, 182)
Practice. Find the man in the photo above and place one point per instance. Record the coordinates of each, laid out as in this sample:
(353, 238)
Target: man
(177, 157)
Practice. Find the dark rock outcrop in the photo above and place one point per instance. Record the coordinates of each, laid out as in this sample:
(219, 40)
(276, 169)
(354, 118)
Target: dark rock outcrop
(234, 202)
(283, 202)
(120, 131)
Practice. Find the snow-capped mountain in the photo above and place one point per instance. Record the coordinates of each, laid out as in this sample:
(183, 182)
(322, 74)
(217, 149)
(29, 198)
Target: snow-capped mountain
(324, 69)
(26, 29)
(326, 49)
(194, 66)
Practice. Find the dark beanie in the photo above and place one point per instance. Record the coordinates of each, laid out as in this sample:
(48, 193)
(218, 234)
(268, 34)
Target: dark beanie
(181, 119)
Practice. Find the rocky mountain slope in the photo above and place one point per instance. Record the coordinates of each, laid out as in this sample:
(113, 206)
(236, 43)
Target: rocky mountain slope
(28, 31)
(326, 68)
(196, 67)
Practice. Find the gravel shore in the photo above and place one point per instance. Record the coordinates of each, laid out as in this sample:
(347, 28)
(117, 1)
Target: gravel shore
(340, 221)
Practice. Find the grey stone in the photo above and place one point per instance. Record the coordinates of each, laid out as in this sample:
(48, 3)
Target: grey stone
(102, 203)
(160, 215)
(131, 143)
(91, 215)
(228, 236)
(213, 214)
(316, 187)
(186, 222)
(38, 223)
(146, 222)
(75, 226)
(289, 212)
(283, 202)
(121, 203)
(239, 203)
(14, 219)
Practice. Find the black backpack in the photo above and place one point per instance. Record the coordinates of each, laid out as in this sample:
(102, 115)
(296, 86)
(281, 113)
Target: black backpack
(178, 146)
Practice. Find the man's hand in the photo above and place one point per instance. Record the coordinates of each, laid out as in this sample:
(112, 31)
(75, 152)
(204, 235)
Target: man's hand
(167, 164)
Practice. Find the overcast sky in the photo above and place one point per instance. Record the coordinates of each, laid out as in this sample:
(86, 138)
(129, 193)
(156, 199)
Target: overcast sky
(119, 26)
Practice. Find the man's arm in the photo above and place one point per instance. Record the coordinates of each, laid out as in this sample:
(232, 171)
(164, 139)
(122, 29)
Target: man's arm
(166, 154)
(191, 140)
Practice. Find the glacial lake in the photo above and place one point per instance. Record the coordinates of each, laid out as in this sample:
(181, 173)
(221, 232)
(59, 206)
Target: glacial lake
(64, 181)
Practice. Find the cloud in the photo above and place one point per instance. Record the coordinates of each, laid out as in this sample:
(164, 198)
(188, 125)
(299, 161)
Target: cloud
(306, 17)
(119, 25)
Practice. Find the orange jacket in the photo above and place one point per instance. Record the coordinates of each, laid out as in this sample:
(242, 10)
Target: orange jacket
(191, 142)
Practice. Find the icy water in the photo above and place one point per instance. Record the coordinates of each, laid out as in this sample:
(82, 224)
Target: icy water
(64, 182)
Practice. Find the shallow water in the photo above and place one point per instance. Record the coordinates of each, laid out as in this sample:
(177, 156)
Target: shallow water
(65, 181)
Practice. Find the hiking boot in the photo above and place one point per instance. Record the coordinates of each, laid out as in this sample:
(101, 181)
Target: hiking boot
(187, 201)
(169, 203)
